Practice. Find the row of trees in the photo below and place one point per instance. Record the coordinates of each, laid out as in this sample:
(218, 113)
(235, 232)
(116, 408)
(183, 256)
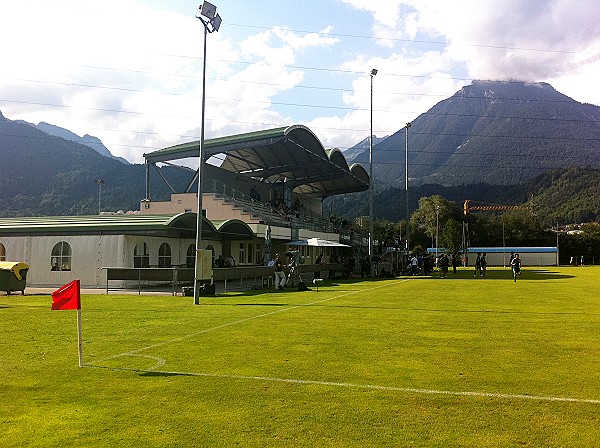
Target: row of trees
(438, 217)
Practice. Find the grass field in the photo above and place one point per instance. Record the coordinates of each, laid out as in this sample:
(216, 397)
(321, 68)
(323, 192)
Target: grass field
(463, 361)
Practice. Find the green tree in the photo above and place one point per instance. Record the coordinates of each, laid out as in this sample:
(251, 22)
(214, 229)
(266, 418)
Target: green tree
(451, 236)
(432, 214)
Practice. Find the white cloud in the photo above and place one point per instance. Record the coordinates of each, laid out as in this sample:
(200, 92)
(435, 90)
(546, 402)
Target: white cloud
(131, 74)
(137, 84)
(404, 87)
(517, 39)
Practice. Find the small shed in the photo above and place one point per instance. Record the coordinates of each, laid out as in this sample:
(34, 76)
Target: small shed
(500, 256)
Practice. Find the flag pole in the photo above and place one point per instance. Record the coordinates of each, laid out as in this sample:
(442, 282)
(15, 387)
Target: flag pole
(79, 342)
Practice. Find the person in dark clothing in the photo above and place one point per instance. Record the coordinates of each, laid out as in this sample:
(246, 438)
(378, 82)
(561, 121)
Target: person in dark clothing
(444, 262)
(317, 274)
(279, 273)
(483, 263)
(477, 265)
(515, 264)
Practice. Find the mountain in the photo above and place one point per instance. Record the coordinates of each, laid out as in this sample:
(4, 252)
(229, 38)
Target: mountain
(492, 132)
(41, 175)
(88, 140)
(361, 147)
(567, 195)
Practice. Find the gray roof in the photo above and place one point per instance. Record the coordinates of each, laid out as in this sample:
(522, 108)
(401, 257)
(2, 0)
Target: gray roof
(181, 225)
(292, 153)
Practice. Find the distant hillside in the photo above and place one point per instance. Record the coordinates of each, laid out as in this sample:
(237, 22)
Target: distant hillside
(89, 140)
(361, 147)
(492, 132)
(390, 203)
(568, 195)
(42, 175)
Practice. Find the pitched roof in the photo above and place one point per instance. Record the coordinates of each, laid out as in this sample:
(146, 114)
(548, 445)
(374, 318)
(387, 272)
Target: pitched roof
(292, 153)
(181, 225)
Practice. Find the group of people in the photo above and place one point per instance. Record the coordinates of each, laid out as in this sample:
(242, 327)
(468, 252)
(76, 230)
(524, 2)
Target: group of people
(414, 265)
(573, 261)
(221, 262)
(480, 265)
(424, 264)
(278, 204)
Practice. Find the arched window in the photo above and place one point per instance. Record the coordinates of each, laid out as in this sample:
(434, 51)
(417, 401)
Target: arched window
(212, 252)
(164, 256)
(190, 259)
(61, 257)
(141, 259)
(2, 252)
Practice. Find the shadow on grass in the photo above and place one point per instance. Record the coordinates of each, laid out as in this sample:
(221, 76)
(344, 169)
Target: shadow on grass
(499, 274)
(155, 374)
(140, 372)
(262, 304)
(456, 310)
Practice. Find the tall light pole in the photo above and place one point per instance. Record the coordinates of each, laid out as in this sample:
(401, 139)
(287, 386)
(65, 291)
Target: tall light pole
(207, 14)
(373, 73)
(408, 125)
(99, 182)
(437, 229)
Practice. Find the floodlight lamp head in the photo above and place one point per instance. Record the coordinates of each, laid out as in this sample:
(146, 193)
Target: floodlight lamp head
(208, 10)
(216, 22)
(373, 72)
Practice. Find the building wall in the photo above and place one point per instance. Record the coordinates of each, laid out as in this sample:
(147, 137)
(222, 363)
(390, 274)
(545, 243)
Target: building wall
(527, 259)
(89, 254)
(179, 203)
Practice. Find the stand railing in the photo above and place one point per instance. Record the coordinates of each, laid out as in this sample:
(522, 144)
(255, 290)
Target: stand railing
(298, 218)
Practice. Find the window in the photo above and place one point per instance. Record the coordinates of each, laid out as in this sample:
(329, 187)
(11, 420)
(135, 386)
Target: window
(61, 257)
(141, 259)
(164, 256)
(190, 259)
(250, 254)
(2, 252)
(258, 259)
(242, 253)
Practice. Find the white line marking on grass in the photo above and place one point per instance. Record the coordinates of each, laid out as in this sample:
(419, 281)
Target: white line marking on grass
(229, 324)
(408, 390)
(161, 361)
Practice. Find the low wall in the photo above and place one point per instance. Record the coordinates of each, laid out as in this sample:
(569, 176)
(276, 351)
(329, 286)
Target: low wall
(176, 277)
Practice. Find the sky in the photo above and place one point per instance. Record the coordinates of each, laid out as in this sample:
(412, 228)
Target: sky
(130, 71)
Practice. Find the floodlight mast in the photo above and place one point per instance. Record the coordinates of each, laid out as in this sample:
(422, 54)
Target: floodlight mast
(99, 182)
(207, 14)
(370, 248)
(408, 125)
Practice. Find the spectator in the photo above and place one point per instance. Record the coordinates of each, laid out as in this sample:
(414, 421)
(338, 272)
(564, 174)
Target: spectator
(477, 265)
(279, 273)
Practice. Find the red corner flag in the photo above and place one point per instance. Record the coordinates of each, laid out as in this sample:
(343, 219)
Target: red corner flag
(67, 297)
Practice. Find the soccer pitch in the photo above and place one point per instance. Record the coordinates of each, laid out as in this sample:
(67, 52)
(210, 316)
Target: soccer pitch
(418, 361)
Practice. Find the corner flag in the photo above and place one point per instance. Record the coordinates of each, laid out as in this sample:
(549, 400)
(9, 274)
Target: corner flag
(67, 297)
